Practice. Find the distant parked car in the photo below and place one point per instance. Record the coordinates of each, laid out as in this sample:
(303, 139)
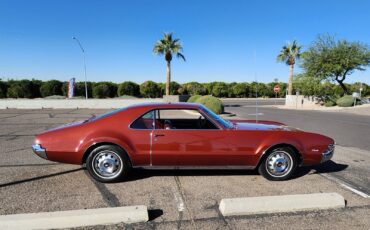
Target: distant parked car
(180, 135)
(365, 100)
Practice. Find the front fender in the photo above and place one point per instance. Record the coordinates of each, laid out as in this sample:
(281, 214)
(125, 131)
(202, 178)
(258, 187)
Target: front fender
(280, 138)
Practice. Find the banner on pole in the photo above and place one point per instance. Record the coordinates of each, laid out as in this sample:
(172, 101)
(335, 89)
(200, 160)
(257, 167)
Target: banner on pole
(71, 87)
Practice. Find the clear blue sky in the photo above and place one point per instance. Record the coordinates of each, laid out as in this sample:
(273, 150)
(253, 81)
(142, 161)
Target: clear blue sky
(219, 37)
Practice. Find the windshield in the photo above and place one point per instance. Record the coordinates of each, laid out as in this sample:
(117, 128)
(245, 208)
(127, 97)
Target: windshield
(223, 122)
(94, 118)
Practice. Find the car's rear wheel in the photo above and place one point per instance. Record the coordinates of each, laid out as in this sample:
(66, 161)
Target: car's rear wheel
(107, 163)
(278, 164)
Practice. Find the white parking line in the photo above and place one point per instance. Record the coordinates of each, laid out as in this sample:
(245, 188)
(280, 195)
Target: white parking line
(346, 186)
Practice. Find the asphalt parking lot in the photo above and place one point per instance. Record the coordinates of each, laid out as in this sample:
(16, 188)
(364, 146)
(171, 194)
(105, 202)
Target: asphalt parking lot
(179, 199)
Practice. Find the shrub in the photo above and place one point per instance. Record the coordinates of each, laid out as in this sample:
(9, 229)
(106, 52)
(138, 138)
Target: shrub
(194, 98)
(212, 103)
(104, 90)
(3, 89)
(20, 89)
(330, 104)
(345, 101)
(220, 89)
(174, 88)
(150, 89)
(129, 88)
(195, 88)
(50, 88)
(100, 91)
(240, 90)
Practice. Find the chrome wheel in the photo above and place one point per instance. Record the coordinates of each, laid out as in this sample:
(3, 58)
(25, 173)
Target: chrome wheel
(279, 163)
(107, 164)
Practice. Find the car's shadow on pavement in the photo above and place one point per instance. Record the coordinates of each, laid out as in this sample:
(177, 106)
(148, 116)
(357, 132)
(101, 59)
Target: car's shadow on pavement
(138, 174)
(326, 167)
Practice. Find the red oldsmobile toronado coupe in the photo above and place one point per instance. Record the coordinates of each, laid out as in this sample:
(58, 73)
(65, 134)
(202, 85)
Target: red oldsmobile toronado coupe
(180, 135)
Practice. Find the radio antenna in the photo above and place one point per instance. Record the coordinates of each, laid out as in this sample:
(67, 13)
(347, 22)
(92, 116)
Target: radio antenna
(255, 79)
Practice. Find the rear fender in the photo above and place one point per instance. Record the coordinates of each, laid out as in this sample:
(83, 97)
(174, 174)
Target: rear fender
(101, 137)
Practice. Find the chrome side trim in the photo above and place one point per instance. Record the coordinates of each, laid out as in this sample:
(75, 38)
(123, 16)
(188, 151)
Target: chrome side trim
(39, 151)
(229, 167)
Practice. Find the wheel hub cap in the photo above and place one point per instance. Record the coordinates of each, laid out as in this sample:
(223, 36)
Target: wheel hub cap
(278, 163)
(107, 164)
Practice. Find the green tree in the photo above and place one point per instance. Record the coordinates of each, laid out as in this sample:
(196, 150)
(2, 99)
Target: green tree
(194, 88)
(3, 89)
(150, 89)
(168, 47)
(240, 90)
(220, 89)
(334, 60)
(129, 88)
(20, 89)
(52, 87)
(289, 54)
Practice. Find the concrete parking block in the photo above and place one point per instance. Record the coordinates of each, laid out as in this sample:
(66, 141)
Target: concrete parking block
(278, 204)
(75, 218)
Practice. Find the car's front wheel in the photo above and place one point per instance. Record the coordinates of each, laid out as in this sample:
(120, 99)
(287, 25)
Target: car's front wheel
(278, 164)
(107, 163)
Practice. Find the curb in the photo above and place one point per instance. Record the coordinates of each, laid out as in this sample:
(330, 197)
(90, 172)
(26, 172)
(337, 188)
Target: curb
(279, 204)
(75, 218)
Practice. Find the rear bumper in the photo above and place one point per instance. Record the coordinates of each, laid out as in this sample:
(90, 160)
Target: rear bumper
(41, 152)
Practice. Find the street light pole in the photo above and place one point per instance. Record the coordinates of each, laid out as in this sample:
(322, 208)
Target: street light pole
(83, 53)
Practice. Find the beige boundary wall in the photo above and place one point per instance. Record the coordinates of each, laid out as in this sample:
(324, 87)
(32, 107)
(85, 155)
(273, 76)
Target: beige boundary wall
(71, 103)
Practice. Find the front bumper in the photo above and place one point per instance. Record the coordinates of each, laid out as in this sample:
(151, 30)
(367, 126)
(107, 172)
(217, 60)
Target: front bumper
(41, 152)
(328, 153)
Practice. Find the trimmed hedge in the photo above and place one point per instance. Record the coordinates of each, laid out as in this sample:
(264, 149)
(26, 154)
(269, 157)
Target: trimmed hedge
(212, 103)
(23, 89)
(345, 101)
(330, 104)
(104, 90)
(129, 88)
(150, 89)
(3, 89)
(194, 88)
(194, 98)
(50, 88)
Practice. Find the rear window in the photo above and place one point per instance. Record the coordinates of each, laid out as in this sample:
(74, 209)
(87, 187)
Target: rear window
(94, 118)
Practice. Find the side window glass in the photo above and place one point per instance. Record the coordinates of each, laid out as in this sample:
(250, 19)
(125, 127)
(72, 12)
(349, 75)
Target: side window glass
(182, 119)
(144, 122)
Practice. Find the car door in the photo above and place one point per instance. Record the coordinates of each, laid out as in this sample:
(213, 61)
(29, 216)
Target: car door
(187, 144)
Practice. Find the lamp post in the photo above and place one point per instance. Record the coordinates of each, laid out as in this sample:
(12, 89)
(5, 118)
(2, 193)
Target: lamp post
(83, 53)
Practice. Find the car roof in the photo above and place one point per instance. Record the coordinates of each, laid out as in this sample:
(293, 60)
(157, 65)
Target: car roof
(166, 105)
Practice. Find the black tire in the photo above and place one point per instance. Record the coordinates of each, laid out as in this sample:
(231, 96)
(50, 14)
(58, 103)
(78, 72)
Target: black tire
(108, 163)
(278, 164)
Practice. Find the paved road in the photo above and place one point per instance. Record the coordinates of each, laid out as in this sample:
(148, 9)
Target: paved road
(253, 102)
(176, 199)
(347, 129)
(350, 131)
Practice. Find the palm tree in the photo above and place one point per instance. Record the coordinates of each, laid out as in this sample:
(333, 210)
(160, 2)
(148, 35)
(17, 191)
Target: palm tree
(168, 46)
(289, 54)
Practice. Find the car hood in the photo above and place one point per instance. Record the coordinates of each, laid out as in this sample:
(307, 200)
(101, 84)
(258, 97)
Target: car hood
(261, 126)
